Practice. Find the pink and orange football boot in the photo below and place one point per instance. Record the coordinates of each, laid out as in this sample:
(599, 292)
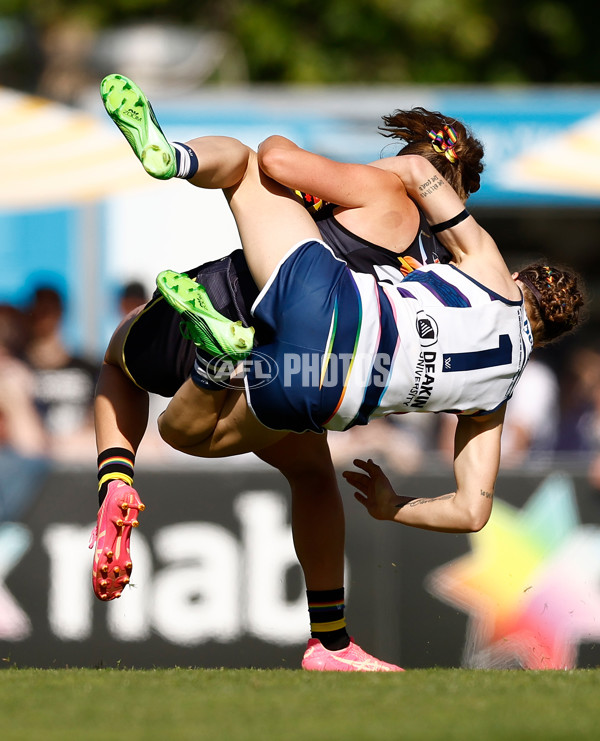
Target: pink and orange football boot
(110, 539)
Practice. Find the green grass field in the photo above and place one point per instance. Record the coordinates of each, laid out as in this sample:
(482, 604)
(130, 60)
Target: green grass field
(235, 705)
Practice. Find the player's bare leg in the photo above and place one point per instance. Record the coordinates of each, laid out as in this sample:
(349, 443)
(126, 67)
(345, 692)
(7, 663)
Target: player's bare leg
(121, 417)
(214, 162)
(318, 528)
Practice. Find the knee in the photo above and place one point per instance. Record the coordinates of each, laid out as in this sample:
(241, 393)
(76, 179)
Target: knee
(177, 433)
(199, 438)
(167, 433)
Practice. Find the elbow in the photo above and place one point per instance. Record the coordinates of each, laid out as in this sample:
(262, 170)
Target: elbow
(420, 168)
(414, 171)
(476, 519)
(477, 524)
(271, 158)
(472, 516)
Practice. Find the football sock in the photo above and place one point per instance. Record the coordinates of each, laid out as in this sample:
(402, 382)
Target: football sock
(114, 463)
(327, 621)
(211, 373)
(186, 160)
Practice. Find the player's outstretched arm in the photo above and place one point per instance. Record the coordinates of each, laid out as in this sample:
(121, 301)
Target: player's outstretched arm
(476, 462)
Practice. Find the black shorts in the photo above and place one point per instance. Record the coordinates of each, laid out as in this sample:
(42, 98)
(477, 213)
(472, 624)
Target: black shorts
(156, 355)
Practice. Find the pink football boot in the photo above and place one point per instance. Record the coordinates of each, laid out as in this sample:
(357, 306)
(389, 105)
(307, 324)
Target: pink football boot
(350, 659)
(110, 538)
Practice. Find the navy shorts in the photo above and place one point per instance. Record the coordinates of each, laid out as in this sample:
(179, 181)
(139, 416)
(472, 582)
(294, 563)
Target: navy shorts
(312, 307)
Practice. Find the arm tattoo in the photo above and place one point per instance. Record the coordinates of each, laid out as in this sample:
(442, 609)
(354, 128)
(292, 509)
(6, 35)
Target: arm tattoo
(430, 186)
(487, 494)
(428, 500)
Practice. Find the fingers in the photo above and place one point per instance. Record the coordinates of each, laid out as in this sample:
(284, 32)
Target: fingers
(363, 481)
(357, 480)
(369, 466)
(362, 499)
(351, 476)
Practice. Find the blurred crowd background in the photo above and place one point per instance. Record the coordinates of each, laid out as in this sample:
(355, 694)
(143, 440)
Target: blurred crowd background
(58, 50)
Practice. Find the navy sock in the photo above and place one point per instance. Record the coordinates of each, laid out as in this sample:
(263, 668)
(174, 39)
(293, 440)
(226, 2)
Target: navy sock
(186, 160)
(211, 373)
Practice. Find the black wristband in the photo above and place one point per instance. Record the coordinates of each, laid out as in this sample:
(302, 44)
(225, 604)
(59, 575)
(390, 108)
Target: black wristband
(451, 222)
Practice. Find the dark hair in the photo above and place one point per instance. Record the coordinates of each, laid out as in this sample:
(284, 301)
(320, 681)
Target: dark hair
(134, 290)
(556, 299)
(46, 298)
(14, 330)
(413, 126)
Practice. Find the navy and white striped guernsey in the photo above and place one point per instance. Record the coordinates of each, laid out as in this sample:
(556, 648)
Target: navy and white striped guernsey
(440, 341)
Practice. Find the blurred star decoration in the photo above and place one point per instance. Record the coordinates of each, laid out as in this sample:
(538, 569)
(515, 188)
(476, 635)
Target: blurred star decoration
(531, 584)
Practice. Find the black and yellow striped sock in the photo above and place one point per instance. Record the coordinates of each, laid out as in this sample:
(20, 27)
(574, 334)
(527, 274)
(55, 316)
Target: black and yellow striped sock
(114, 463)
(327, 621)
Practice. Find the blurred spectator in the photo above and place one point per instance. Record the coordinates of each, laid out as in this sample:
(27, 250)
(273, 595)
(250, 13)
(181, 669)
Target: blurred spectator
(580, 408)
(22, 436)
(64, 383)
(580, 401)
(531, 424)
(132, 295)
(20, 424)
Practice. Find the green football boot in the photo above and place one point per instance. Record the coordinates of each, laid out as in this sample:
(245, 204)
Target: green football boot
(209, 330)
(129, 108)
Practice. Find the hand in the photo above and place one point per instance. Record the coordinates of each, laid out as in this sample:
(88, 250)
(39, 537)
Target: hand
(375, 492)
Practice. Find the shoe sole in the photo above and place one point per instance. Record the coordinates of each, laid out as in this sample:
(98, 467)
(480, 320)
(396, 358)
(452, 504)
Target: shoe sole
(129, 108)
(239, 342)
(112, 562)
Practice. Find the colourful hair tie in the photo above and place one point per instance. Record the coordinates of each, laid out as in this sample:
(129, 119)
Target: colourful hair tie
(445, 143)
